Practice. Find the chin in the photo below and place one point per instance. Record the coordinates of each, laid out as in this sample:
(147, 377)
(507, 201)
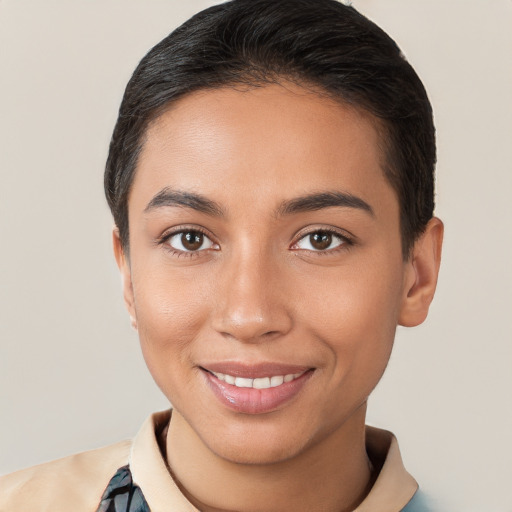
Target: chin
(263, 453)
(257, 445)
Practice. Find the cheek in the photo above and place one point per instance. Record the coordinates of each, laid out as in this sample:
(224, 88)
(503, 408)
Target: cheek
(357, 318)
(171, 309)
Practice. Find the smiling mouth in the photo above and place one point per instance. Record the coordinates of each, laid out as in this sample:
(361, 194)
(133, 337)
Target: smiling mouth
(256, 389)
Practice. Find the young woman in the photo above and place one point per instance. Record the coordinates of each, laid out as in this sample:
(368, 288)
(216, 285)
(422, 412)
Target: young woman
(271, 180)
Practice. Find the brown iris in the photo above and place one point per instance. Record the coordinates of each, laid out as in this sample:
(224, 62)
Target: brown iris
(192, 240)
(321, 240)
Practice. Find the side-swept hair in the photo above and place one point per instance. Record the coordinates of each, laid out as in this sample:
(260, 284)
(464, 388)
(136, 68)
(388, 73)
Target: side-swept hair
(318, 43)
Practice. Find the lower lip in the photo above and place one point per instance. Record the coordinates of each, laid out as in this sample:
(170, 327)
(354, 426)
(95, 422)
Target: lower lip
(256, 401)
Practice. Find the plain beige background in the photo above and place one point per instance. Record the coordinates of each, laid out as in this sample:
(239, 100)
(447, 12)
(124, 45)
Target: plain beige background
(71, 374)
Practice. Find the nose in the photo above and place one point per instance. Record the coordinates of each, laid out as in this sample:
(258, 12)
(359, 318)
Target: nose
(251, 305)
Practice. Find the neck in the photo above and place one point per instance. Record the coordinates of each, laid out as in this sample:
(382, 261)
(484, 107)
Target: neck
(332, 475)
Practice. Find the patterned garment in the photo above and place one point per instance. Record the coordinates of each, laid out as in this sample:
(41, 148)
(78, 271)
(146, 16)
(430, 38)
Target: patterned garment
(122, 495)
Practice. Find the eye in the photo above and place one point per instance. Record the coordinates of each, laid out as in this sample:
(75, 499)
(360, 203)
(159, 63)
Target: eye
(321, 240)
(189, 241)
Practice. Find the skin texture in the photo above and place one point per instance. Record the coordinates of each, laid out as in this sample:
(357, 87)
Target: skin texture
(262, 292)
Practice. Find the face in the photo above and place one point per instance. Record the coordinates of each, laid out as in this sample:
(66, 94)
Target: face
(265, 271)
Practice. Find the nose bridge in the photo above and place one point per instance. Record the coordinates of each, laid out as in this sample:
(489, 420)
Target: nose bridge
(251, 307)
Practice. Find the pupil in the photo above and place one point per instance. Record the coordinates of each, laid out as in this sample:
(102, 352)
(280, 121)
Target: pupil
(192, 240)
(321, 240)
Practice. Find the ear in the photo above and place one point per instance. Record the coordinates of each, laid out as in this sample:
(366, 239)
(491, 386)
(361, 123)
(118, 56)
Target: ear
(126, 276)
(421, 273)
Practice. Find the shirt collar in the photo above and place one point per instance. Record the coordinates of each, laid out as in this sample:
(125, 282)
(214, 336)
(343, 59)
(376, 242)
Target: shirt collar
(394, 486)
(392, 490)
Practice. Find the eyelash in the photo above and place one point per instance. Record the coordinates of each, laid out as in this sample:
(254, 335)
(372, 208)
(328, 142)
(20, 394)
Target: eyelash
(162, 240)
(346, 241)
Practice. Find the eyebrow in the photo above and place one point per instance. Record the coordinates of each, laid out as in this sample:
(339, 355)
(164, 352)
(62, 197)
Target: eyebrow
(170, 197)
(321, 200)
(306, 203)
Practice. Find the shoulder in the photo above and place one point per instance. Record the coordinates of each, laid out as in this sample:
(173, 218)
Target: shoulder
(72, 483)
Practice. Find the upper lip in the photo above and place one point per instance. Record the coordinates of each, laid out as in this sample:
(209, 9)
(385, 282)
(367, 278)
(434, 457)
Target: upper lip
(253, 371)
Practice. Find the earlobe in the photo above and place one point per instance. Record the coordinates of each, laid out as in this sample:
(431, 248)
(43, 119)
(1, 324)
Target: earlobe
(421, 275)
(126, 276)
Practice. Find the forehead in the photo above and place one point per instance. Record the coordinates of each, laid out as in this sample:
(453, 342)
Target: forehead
(268, 142)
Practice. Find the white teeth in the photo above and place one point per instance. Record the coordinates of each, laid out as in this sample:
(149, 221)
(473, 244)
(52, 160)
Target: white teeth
(277, 380)
(259, 383)
(230, 379)
(262, 383)
(240, 382)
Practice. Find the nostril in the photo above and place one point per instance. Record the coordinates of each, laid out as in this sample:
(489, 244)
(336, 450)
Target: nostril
(270, 334)
(251, 334)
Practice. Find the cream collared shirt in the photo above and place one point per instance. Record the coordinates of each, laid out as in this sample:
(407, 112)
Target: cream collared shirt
(76, 483)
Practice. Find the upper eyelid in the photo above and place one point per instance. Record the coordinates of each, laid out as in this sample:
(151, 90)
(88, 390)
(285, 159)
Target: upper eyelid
(347, 241)
(164, 241)
(170, 232)
(342, 233)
